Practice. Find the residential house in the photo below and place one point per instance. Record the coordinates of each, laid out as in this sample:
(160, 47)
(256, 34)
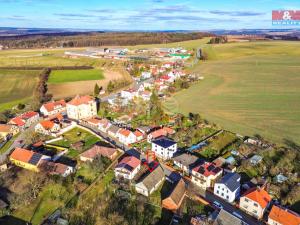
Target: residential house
(47, 127)
(146, 75)
(52, 108)
(186, 162)
(228, 187)
(226, 218)
(81, 107)
(145, 95)
(150, 182)
(255, 202)
(101, 124)
(54, 168)
(129, 94)
(113, 131)
(7, 131)
(144, 129)
(254, 160)
(128, 167)
(25, 120)
(128, 137)
(174, 200)
(165, 131)
(167, 78)
(283, 216)
(206, 174)
(98, 150)
(164, 147)
(27, 159)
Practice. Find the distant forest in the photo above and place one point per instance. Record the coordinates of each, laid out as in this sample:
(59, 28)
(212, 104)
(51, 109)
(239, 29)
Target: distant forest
(97, 39)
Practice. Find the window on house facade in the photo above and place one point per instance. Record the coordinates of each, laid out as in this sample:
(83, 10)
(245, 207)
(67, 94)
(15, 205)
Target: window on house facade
(255, 204)
(246, 200)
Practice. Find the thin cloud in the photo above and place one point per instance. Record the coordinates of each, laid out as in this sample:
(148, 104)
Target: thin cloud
(236, 13)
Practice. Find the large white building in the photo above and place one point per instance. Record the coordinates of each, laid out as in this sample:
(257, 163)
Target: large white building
(228, 187)
(164, 147)
(81, 107)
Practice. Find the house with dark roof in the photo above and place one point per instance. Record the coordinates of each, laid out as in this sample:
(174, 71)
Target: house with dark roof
(174, 200)
(128, 167)
(228, 187)
(205, 175)
(283, 216)
(164, 147)
(186, 162)
(255, 202)
(226, 218)
(150, 182)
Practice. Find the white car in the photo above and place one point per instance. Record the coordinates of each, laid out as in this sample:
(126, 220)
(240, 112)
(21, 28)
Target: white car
(217, 204)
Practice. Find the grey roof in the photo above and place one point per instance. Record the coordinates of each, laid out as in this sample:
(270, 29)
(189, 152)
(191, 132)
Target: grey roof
(225, 218)
(186, 159)
(113, 129)
(153, 178)
(231, 181)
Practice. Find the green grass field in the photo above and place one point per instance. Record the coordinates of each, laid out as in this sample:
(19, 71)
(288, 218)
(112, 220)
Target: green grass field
(17, 86)
(248, 88)
(62, 76)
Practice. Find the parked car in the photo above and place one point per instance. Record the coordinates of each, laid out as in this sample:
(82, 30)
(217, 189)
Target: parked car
(217, 204)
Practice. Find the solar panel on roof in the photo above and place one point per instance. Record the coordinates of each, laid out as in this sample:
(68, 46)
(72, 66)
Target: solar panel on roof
(210, 167)
(35, 159)
(201, 170)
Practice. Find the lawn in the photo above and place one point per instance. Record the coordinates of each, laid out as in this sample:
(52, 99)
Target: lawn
(8, 144)
(62, 76)
(248, 88)
(17, 86)
(74, 136)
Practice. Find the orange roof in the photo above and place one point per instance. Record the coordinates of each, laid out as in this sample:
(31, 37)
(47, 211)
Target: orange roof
(258, 195)
(47, 124)
(28, 115)
(125, 132)
(5, 128)
(284, 216)
(50, 106)
(138, 133)
(162, 132)
(57, 116)
(21, 154)
(94, 121)
(18, 121)
(80, 100)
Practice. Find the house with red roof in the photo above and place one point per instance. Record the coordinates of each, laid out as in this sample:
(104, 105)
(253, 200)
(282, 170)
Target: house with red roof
(27, 159)
(129, 93)
(81, 107)
(98, 150)
(7, 131)
(255, 202)
(128, 137)
(128, 167)
(283, 216)
(205, 174)
(52, 108)
(25, 120)
(47, 127)
(101, 124)
(167, 78)
(54, 168)
(164, 131)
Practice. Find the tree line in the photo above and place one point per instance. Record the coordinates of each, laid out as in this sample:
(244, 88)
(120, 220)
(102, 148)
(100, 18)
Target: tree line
(98, 39)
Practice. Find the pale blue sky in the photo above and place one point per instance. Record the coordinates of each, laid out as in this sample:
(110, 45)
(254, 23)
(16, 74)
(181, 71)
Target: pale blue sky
(142, 14)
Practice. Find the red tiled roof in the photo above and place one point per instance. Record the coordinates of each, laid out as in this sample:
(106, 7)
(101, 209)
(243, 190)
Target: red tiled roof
(80, 100)
(47, 124)
(165, 77)
(162, 132)
(284, 216)
(18, 121)
(94, 121)
(125, 132)
(50, 106)
(131, 161)
(28, 115)
(99, 150)
(208, 169)
(138, 133)
(258, 195)
(22, 155)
